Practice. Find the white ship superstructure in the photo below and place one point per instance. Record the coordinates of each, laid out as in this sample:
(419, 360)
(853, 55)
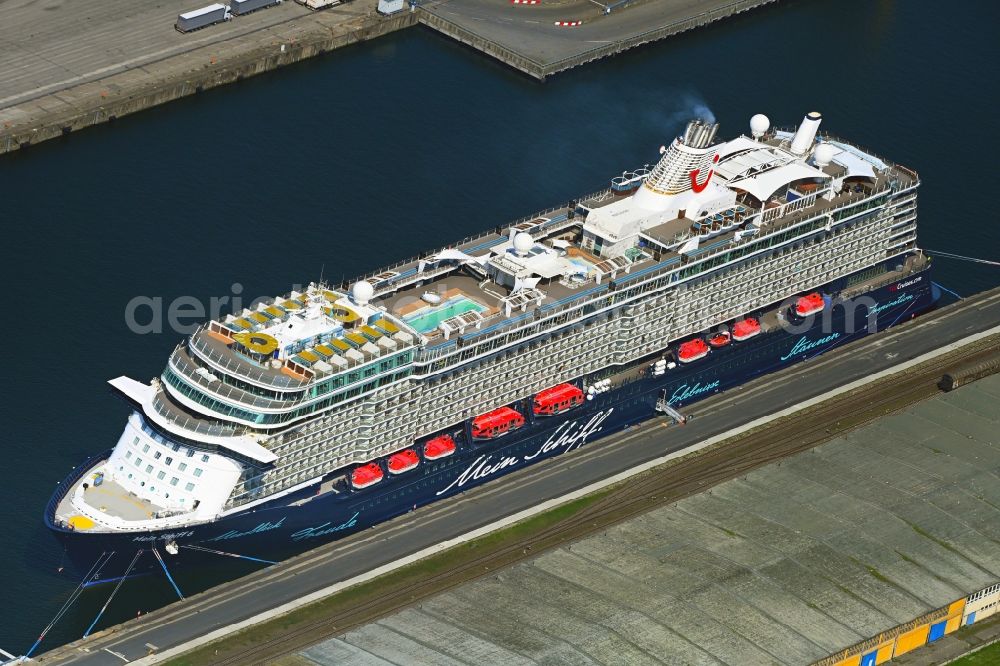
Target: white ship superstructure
(310, 384)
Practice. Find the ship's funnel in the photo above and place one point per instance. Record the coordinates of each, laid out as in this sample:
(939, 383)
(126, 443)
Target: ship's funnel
(806, 134)
(690, 153)
(699, 134)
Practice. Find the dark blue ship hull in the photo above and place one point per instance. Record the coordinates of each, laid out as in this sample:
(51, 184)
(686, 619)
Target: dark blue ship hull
(307, 518)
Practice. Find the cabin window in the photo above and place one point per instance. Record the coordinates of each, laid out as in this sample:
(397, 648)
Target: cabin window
(160, 475)
(156, 456)
(149, 469)
(169, 460)
(138, 461)
(189, 487)
(128, 454)
(145, 449)
(204, 458)
(174, 480)
(182, 466)
(197, 471)
(135, 441)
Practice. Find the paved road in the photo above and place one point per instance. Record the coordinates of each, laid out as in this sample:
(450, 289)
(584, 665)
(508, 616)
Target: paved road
(349, 557)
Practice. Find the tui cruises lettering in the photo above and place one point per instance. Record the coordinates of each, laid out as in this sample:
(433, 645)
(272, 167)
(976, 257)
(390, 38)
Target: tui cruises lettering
(907, 283)
(263, 527)
(325, 528)
(567, 436)
(804, 344)
(686, 391)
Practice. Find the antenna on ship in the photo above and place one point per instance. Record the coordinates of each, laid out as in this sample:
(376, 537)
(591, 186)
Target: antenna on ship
(321, 269)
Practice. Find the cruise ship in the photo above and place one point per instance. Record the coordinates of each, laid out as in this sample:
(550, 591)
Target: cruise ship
(325, 411)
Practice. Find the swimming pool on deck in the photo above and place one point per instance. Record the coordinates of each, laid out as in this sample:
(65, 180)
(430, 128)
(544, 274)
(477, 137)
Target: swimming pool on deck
(427, 318)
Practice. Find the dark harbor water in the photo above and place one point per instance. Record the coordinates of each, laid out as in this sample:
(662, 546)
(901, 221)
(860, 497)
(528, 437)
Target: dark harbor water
(379, 151)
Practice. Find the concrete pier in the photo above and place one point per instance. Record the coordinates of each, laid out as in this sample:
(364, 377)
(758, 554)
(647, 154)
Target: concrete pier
(528, 39)
(65, 66)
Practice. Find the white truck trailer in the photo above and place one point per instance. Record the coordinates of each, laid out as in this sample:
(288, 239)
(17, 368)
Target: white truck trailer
(241, 7)
(200, 18)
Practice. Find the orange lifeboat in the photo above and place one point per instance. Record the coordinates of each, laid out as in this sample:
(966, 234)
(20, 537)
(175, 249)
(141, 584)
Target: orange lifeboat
(441, 446)
(809, 304)
(403, 461)
(692, 350)
(556, 400)
(720, 339)
(745, 329)
(366, 475)
(496, 423)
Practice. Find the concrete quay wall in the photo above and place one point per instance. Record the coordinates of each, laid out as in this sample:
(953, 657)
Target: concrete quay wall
(41, 112)
(103, 105)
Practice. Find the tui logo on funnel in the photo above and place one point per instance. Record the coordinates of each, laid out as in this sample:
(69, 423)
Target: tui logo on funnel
(699, 187)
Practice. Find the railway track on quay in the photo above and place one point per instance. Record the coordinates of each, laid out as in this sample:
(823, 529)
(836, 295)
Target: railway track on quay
(674, 481)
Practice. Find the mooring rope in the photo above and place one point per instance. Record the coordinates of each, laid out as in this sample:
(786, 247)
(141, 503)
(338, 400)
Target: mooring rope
(221, 552)
(102, 559)
(113, 593)
(166, 571)
(949, 255)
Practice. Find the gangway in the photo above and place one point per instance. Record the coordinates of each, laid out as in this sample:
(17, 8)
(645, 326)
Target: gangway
(663, 406)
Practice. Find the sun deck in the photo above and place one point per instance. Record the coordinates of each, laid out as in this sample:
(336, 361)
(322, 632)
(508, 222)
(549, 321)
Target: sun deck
(406, 301)
(660, 243)
(482, 283)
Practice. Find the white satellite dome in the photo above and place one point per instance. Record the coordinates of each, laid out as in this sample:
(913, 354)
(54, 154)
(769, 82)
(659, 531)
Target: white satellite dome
(823, 154)
(523, 242)
(362, 292)
(759, 125)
